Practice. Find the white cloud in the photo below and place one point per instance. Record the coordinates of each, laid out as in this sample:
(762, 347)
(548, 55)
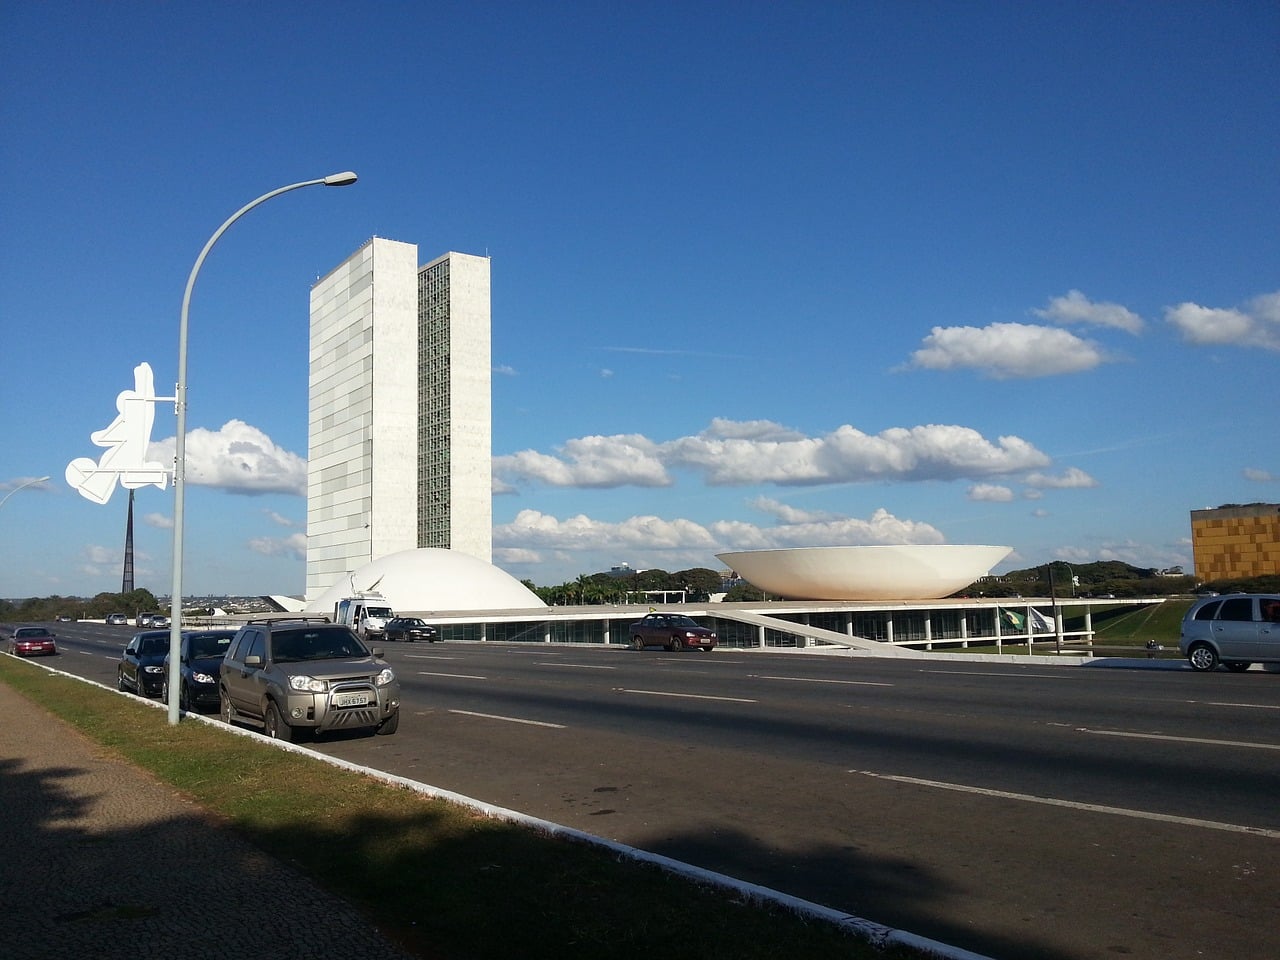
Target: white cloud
(606, 373)
(280, 519)
(1256, 325)
(532, 530)
(596, 462)
(98, 555)
(515, 555)
(1071, 478)
(293, 546)
(927, 452)
(789, 514)
(1075, 307)
(159, 521)
(1005, 351)
(731, 453)
(238, 458)
(991, 492)
(504, 370)
(1259, 476)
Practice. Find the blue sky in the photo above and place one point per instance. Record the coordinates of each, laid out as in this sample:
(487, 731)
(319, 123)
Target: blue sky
(764, 274)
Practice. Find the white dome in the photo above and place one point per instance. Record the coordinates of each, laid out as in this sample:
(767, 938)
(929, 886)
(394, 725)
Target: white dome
(890, 572)
(432, 579)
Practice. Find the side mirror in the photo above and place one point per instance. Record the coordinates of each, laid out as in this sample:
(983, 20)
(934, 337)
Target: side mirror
(253, 660)
(376, 651)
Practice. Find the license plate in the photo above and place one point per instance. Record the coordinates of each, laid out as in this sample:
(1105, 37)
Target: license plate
(351, 700)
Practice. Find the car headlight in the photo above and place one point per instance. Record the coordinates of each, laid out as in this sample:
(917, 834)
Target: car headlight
(203, 678)
(307, 684)
(153, 669)
(385, 677)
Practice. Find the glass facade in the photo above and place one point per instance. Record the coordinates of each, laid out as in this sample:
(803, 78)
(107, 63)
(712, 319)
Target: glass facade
(434, 415)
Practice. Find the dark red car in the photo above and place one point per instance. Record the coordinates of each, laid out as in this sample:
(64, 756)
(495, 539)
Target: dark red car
(673, 631)
(32, 641)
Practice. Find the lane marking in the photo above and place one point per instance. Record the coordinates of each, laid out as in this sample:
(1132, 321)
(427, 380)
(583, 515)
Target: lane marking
(1254, 706)
(686, 696)
(494, 716)
(1165, 736)
(580, 666)
(455, 676)
(1076, 805)
(1006, 676)
(427, 656)
(858, 683)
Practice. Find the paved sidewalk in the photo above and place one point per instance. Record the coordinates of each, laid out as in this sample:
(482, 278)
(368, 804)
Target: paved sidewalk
(99, 859)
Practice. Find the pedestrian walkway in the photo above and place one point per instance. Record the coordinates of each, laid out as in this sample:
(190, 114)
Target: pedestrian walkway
(99, 859)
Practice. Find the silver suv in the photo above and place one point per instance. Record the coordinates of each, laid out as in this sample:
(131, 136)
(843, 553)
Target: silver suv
(1236, 630)
(287, 676)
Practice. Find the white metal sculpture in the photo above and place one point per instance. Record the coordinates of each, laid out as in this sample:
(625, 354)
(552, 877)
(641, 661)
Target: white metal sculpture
(126, 439)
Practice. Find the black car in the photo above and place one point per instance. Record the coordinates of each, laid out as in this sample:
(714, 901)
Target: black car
(141, 667)
(201, 657)
(409, 629)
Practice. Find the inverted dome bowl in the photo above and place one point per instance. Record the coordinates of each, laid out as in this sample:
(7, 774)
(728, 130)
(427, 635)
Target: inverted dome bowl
(889, 572)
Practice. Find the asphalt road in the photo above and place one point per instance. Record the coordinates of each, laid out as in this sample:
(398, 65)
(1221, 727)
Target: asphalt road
(1034, 811)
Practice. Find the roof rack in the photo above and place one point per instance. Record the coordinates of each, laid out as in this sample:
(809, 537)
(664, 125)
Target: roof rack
(290, 618)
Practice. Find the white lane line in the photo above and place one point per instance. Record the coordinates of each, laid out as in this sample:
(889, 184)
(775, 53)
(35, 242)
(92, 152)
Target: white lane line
(686, 696)
(494, 716)
(856, 683)
(1004, 676)
(1254, 706)
(580, 666)
(1165, 736)
(427, 656)
(455, 676)
(1075, 805)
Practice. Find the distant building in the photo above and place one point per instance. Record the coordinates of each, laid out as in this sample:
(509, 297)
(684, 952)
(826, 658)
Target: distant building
(1232, 541)
(400, 416)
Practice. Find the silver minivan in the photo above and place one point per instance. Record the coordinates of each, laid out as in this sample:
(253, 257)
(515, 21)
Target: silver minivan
(1236, 630)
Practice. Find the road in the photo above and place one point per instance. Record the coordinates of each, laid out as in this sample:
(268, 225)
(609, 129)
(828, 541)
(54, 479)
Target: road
(1019, 811)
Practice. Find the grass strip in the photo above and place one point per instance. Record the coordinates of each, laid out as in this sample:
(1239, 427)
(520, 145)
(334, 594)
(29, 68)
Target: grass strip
(444, 881)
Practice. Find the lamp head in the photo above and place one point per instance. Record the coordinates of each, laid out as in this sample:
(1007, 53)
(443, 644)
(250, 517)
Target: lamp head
(340, 179)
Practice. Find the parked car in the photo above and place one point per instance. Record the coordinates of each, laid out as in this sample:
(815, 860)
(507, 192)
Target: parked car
(672, 631)
(159, 621)
(1236, 630)
(117, 620)
(149, 619)
(291, 676)
(409, 629)
(201, 661)
(141, 666)
(33, 641)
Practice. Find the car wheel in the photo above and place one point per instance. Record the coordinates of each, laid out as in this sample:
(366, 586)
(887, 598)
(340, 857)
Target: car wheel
(676, 645)
(164, 690)
(184, 698)
(120, 684)
(224, 707)
(274, 725)
(1202, 657)
(1238, 666)
(637, 643)
(389, 725)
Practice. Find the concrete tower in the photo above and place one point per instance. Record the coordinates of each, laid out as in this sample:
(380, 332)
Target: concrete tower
(400, 422)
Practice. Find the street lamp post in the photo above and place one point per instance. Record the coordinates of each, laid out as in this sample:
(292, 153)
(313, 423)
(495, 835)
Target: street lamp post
(29, 483)
(180, 446)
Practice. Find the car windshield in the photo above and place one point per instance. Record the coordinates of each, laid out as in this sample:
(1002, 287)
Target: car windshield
(411, 622)
(210, 644)
(30, 633)
(290, 646)
(377, 611)
(153, 646)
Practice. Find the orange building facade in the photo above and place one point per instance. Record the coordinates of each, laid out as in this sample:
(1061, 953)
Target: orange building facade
(1236, 541)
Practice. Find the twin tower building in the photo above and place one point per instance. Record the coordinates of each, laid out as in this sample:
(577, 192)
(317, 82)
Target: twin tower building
(400, 412)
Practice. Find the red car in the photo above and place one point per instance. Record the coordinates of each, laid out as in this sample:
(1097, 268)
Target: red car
(673, 631)
(32, 641)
